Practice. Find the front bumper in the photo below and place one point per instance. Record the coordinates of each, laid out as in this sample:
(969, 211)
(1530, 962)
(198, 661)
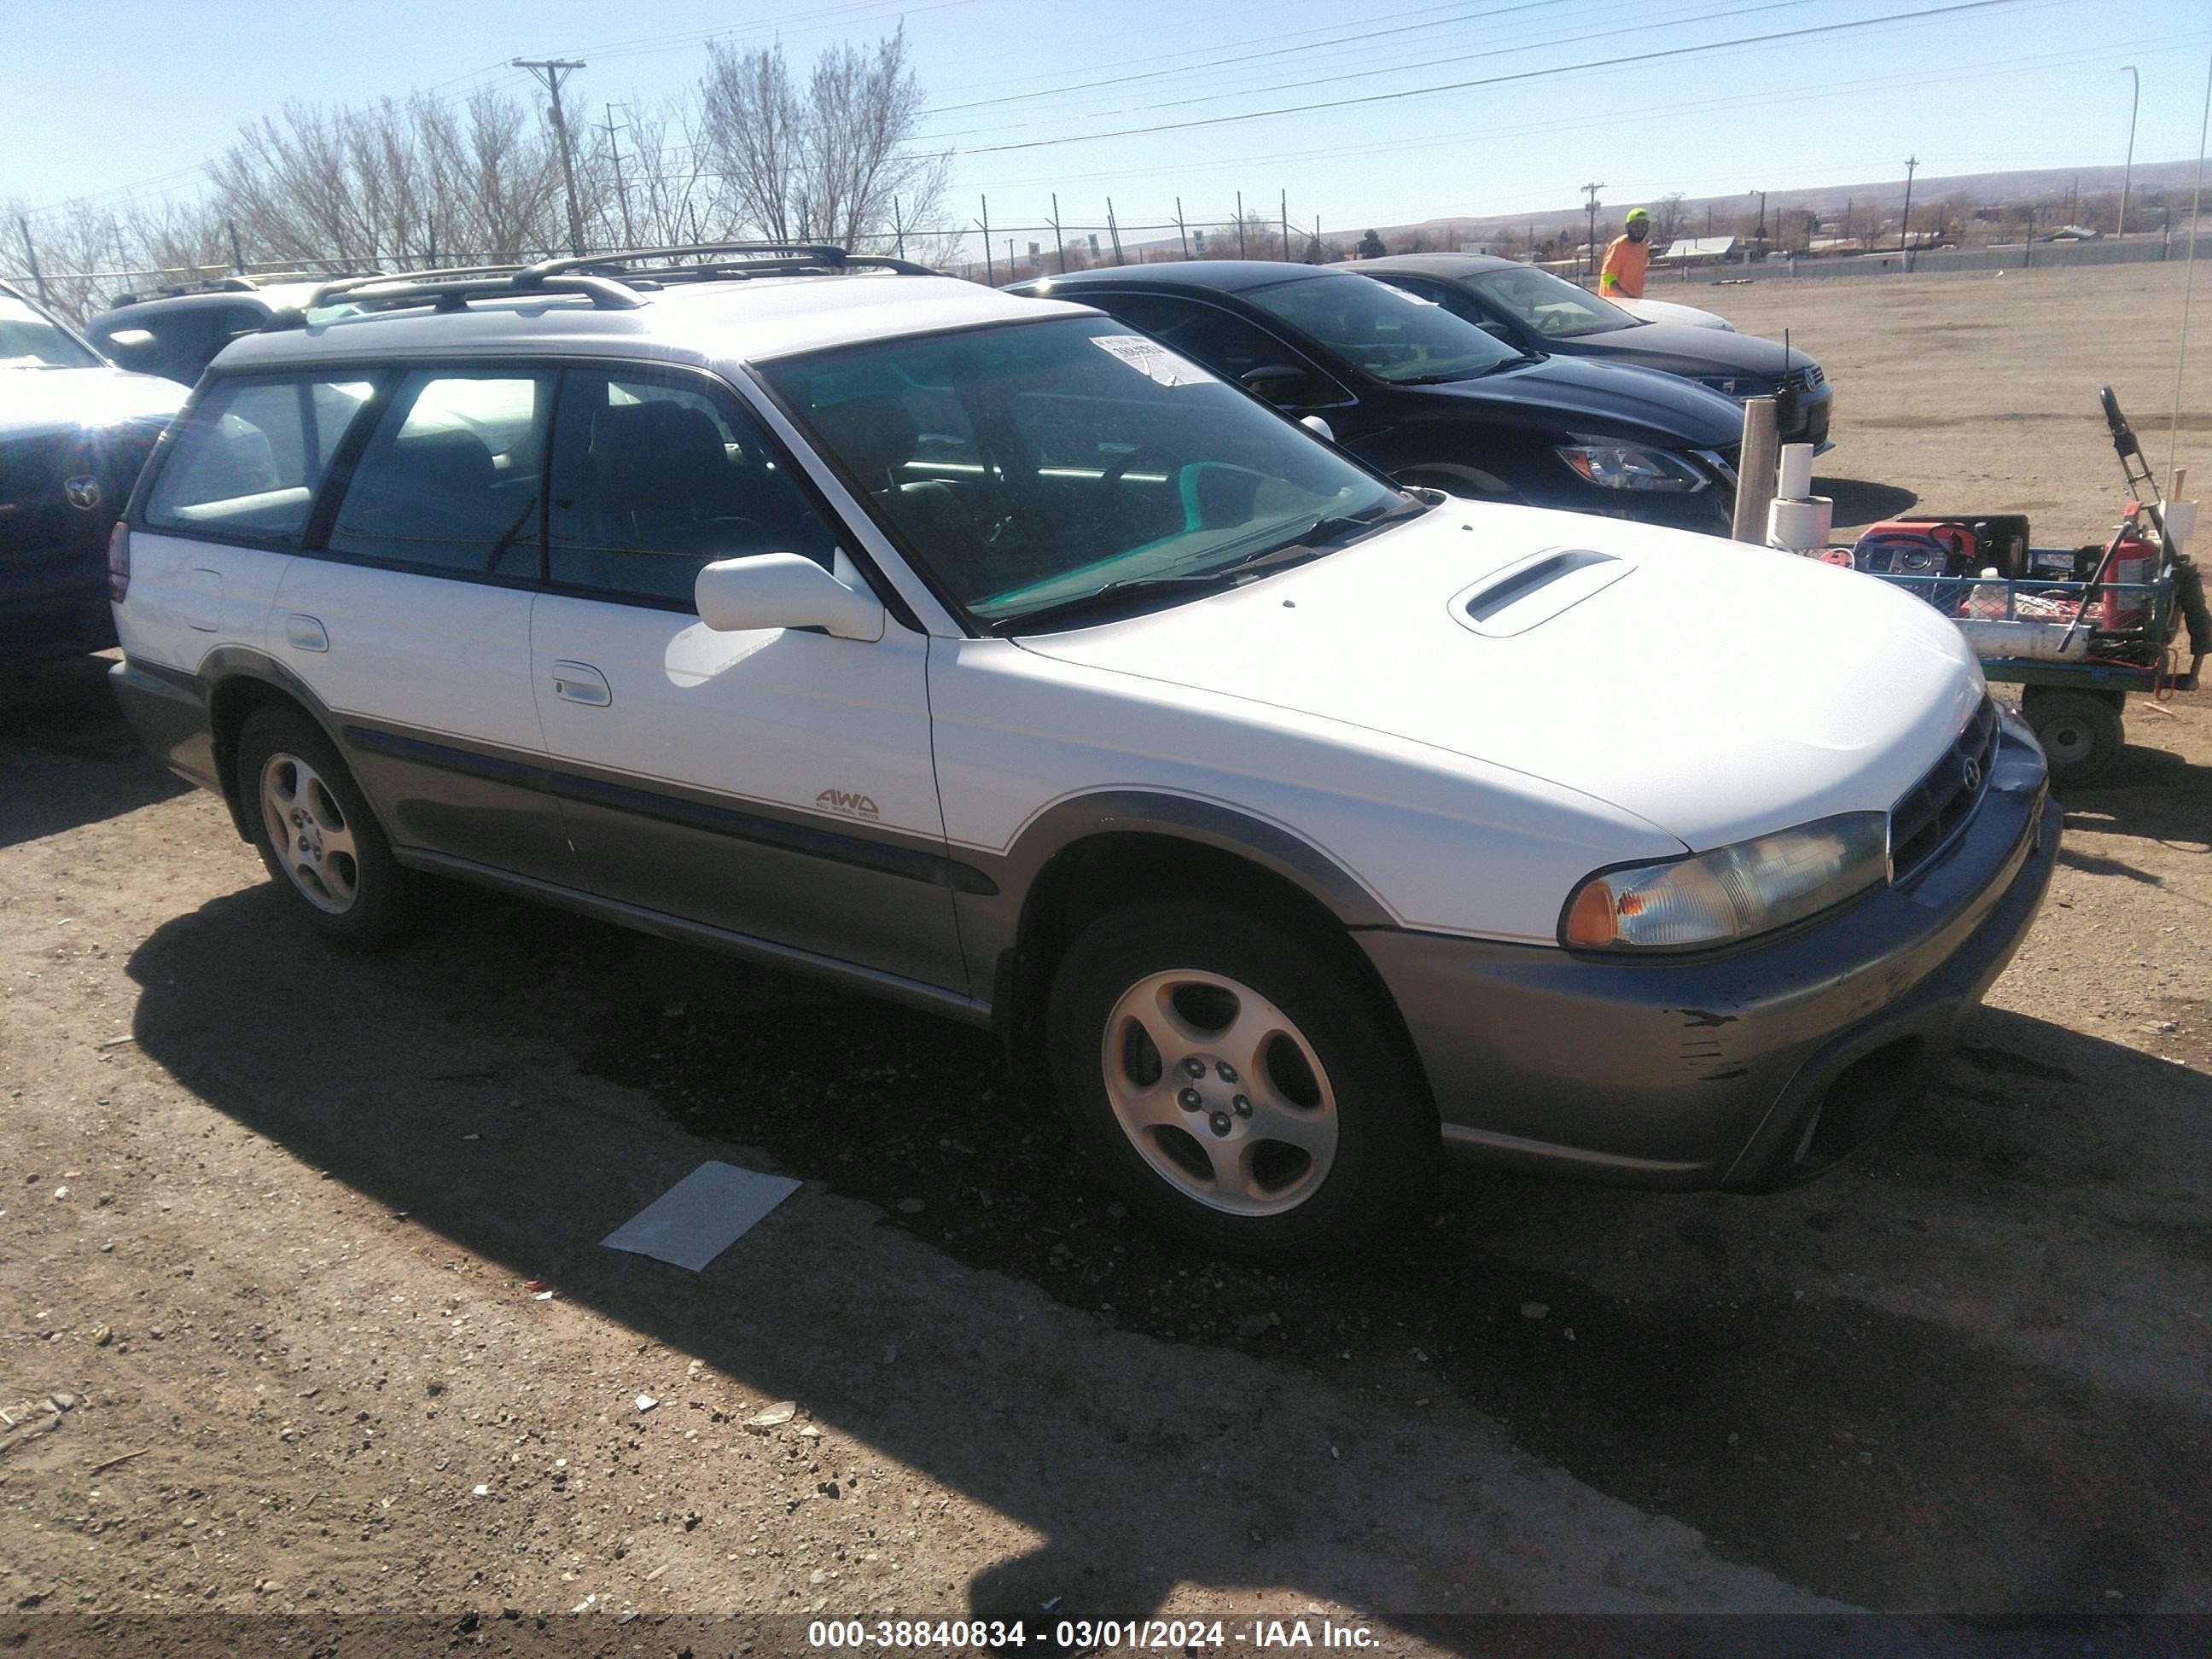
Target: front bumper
(1749, 1070)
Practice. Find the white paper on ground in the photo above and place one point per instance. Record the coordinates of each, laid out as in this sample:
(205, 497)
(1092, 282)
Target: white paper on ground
(702, 1215)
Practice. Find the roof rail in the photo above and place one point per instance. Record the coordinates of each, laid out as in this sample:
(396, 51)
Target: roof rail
(453, 289)
(709, 261)
(608, 279)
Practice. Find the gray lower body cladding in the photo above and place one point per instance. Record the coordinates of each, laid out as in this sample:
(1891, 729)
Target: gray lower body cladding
(1749, 1070)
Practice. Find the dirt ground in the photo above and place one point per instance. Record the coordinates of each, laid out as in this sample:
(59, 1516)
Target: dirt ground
(280, 1220)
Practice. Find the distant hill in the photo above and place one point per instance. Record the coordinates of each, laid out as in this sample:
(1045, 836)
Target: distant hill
(2047, 187)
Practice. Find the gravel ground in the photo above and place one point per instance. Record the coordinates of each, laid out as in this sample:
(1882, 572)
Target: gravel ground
(280, 1221)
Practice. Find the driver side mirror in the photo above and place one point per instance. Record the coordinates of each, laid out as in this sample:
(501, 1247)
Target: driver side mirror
(133, 348)
(1280, 384)
(1497, 330)
(782, 590)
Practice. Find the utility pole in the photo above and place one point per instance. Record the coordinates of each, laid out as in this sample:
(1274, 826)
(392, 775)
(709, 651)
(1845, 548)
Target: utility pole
(1591, 191)
(1180, 229)
(1240, 224)
(1059, 243)
(1762, 221)
(1011, 272)
(629, 236)
(898, 224)
(990, 271)
(2127, 175)
(1113, 230)
(30, 258)
(1904, 230)
(237, 253)
(1287, 227)
(550, 73)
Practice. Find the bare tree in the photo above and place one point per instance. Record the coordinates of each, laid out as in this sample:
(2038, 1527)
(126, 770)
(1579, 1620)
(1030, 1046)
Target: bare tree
(840, 163)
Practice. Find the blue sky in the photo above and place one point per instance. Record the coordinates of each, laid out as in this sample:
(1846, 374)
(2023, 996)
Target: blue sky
(138, 94)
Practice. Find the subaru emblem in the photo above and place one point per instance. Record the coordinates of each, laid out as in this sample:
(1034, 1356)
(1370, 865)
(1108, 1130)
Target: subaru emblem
(83, 493)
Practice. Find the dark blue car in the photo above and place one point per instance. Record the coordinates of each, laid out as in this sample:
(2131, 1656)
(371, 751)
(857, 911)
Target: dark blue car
(1431, 399)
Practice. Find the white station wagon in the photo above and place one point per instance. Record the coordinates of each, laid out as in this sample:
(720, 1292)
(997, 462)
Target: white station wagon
(978, 653)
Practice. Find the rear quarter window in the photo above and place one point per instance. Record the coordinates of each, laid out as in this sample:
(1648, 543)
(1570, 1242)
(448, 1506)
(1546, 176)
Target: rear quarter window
(249, 458)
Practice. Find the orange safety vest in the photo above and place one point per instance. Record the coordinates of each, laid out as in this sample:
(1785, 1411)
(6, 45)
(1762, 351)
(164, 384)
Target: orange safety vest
(1626, 262)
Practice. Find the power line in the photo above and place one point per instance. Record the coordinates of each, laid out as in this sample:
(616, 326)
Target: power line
(1494, 51)
(1648, 57)
(1360, 35)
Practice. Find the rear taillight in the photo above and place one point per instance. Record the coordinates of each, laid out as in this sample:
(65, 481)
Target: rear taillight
(118, 562)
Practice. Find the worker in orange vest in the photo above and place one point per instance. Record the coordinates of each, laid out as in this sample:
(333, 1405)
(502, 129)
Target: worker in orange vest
(1627, 259)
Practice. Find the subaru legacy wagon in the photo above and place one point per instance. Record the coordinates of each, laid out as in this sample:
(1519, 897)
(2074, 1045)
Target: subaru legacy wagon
(977, 651)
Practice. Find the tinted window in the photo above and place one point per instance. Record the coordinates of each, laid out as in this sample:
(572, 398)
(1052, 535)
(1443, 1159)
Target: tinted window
(1079, 455)
(248, 461)
(449, 482)
(1391, 334)
(1546, 304)
(1224, 342)
(651, 480)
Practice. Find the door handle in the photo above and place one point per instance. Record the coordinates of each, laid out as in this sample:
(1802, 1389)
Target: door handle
(305, 634)
(579, 682)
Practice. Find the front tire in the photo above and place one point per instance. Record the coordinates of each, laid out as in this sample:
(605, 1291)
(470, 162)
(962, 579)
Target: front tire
(316, 834)
(1237, 1085)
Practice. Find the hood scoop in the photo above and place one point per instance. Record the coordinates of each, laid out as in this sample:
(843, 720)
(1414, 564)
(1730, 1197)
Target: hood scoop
(1531, 591)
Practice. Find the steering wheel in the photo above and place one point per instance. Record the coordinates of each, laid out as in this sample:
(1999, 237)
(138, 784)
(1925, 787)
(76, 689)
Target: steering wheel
(1113, 475)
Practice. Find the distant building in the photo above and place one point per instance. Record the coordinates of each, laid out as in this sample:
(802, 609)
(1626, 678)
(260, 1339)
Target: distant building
(1699, 250)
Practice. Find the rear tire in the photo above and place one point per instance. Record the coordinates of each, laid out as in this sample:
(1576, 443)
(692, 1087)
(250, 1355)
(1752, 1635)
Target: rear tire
(1311, 1139)
(316, 834)
(2081, 732)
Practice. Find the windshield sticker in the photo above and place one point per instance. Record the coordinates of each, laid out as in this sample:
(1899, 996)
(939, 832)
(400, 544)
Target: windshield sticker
(1151, 359)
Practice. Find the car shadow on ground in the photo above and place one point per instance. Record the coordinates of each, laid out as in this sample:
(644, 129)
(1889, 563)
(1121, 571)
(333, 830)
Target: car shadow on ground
(65, 711)
(1886, 1460)
(1859, 502)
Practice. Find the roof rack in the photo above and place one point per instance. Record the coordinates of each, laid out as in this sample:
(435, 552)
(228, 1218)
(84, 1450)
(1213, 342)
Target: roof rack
(704, 261)
(452, 290)
(607, 279)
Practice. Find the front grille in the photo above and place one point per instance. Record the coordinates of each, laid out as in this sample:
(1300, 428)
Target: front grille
(32, 518)
(1802, 380)
(1930, 813)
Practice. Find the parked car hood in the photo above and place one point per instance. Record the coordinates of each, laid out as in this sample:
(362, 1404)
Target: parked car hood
(1604, 399)
(1679, 350)
(1714, 690)
(36, 400)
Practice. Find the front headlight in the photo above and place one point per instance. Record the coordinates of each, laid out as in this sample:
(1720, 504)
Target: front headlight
(1735, 892)
(1617, 467)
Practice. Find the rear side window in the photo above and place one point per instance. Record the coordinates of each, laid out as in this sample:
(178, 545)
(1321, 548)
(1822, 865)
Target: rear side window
(248, 462)
(653, 479)
(449, 481)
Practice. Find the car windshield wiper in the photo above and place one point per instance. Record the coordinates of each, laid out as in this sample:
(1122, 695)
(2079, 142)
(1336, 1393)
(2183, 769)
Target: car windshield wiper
(1110, 597)
(1327, 533)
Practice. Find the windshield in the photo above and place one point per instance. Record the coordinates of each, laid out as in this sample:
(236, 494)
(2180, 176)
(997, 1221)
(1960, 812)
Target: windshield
(28, 340)
(1029, 465)
(1386, 332)
(1549, 305)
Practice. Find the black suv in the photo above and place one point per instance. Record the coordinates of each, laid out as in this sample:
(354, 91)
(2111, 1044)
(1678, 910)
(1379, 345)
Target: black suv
(1431, 399)
(1536, 311)
(74, 431)
(175, 332)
